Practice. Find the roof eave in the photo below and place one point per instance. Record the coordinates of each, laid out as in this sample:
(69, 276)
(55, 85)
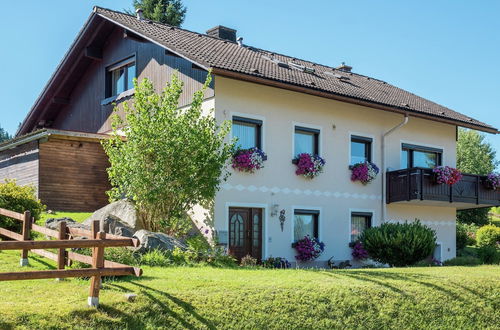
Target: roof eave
(275, 83)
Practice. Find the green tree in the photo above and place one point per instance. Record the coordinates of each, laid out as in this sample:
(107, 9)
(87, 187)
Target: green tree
(476, 156)
(4, 135)
(171, 12)
(171, 159)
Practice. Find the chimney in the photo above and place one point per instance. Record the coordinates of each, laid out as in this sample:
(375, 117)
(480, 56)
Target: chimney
(345, 68)
(139, 14)
(222, 32)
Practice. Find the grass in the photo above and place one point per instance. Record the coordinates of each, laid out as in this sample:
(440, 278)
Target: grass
(77, 216)
(203, 297)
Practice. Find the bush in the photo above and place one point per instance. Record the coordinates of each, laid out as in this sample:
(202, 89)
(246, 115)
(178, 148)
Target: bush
(248, 261)
(488, 254)
(18, 199)
(399, 244)
(461, 237)
(277, 262)
(462, 261)
(156, 258)
(488, 235)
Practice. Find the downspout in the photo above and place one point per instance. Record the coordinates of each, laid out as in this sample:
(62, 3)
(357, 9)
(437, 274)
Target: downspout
(384, 170)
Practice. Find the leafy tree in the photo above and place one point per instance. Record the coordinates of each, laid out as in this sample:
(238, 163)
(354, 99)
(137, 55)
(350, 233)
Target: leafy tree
(474, 155)
(4, 135)
(171, 159)
(170, 12)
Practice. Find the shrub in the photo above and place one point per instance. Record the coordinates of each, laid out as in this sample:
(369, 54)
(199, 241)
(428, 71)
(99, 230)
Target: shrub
(399, 244)
(121, 255)
(462, 261)
(488, 254)
(461, 237)
(277, 262)
(248, 261)
(488, 235)
(156, 258)
(18, 199)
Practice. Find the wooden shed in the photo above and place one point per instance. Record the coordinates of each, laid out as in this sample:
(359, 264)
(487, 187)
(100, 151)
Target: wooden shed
(67, 168)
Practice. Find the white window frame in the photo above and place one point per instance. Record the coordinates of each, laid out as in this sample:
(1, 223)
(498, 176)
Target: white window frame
(320, 138)
(309, 208)
(255, 117)
(351, 211)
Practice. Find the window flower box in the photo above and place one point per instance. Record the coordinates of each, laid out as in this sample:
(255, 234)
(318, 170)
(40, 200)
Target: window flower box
(308, 165)
(446, 175)
(364, 172)
(492, 181)
(308, 248)
(249, 160)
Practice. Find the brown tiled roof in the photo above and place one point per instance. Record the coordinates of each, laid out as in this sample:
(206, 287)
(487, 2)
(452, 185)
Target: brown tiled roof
(268, 67)
(212, 52)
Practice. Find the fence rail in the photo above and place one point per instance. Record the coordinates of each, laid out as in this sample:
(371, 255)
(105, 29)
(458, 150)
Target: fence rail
(95, 239)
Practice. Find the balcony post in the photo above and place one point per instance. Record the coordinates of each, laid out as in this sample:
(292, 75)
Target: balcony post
(421, 184)
(408, 185)
(477, 189)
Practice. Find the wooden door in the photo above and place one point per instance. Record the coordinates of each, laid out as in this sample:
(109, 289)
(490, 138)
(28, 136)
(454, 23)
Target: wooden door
(245, 232)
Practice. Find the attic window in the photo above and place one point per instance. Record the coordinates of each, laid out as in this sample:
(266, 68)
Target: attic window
(120, 77)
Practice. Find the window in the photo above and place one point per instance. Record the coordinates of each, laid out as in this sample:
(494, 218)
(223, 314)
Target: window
(306, 140)
(248, 132)
(418, 156)
(120, 77)
(361, 149)
(359, 222)
(305, 222)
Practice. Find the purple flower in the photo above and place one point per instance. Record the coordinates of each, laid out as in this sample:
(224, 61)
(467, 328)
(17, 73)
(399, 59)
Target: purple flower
(308, 248)
(493, 180)
(308, 165)
(446, 174)
(364, 172)
(359, 252)
(249, 160)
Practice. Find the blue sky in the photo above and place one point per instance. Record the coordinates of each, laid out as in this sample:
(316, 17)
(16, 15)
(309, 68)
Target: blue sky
(446, 51)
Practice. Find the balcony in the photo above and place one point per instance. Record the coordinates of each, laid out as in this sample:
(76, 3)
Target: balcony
(418, 186)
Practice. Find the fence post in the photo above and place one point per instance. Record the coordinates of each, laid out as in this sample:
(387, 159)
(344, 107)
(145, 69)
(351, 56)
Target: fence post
(97, 262)
(61, 254)
(26, 237)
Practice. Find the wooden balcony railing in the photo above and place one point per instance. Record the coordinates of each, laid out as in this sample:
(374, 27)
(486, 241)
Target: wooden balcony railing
(419, 184)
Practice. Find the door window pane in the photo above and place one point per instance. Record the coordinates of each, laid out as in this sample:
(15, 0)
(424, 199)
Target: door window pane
(256, 230)
(236, 230)
(246, 133)
(424, 159)
(358, 224)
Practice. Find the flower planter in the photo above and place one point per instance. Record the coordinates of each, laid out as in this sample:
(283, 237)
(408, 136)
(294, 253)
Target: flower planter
(364, 172)
(309, 166)
(249, 160)
(446, 175)
(492, 181)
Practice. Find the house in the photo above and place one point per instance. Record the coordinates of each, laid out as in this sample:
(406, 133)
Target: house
(283, 106)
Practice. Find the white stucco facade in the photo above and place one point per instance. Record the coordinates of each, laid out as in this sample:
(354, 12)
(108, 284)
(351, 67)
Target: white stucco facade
(276, 187)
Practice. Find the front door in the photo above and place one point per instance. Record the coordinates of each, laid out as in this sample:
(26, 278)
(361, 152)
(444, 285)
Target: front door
(245, 232)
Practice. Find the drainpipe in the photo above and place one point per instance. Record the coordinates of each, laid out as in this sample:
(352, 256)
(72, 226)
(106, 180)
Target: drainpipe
(382, 167)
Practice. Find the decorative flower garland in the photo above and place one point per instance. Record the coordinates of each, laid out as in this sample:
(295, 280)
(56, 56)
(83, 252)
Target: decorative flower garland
(249, 160)
(358, 250)
(308, 248)
(364, 172)
(308, 165)
(446, 174)
(493, 181)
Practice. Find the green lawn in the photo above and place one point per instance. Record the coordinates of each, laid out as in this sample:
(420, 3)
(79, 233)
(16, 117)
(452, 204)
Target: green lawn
(77, 216)
(404, 298)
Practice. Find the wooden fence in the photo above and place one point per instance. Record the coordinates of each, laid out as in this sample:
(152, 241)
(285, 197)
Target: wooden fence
(66, 238)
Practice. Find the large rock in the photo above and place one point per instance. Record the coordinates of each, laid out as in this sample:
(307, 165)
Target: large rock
(113, 225)
(123, 210)
(157, 241)
(53, 223)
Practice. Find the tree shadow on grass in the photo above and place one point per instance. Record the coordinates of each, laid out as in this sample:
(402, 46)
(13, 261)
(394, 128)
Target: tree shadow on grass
(41, 261)
(188, 308)
(378, 277)
(5, 326)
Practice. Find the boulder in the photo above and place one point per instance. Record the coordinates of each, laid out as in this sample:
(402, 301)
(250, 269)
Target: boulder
(124, 210)
(157, 241)
(113, 225)
(53, 223)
